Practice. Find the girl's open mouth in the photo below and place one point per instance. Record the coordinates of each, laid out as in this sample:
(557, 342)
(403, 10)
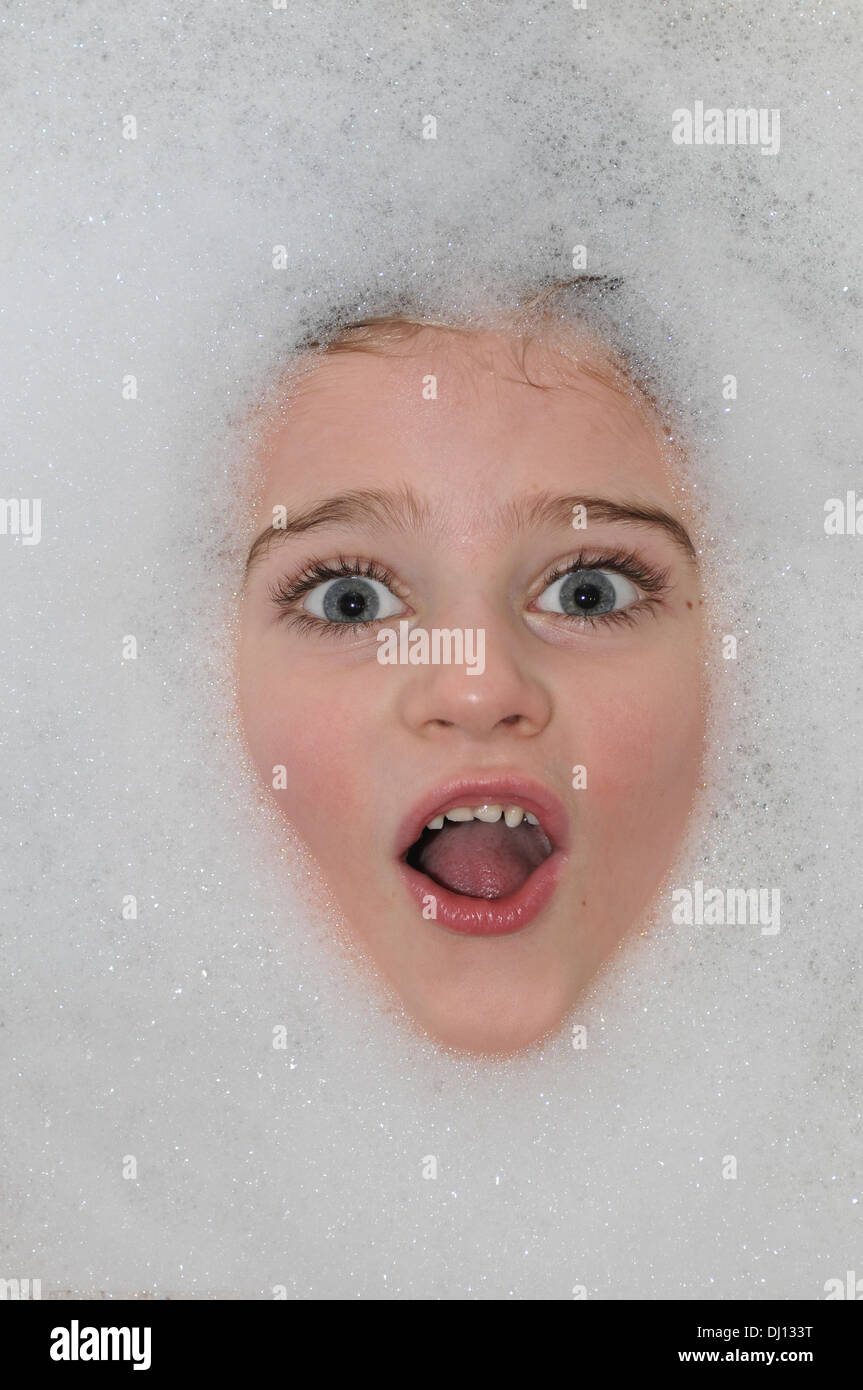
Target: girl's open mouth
(481, 852)
(483, 864)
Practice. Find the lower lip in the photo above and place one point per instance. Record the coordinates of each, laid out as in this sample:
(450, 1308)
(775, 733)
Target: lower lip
(488, 916)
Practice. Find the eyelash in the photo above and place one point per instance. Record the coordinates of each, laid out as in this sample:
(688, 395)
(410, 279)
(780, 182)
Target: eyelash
(286, 592)
(655, 583)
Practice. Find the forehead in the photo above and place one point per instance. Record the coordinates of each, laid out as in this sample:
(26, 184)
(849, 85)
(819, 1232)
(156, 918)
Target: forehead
(462, 415)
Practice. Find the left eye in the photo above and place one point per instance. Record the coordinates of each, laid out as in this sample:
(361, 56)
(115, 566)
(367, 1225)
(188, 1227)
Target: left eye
(588, 593)
(351, 599)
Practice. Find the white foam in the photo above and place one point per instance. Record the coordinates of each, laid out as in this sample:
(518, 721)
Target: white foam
(302, 1167)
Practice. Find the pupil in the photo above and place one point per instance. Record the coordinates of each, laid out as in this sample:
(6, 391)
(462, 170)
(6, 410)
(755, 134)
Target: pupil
(586, 594)
(352, 604)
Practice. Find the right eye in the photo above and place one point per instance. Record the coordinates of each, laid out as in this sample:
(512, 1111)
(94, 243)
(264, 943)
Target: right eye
(352, 599)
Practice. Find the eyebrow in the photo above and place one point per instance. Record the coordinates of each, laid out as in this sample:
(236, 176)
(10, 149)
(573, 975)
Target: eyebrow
(403, 510)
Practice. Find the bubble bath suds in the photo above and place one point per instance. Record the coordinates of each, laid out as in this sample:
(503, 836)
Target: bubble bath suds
(148, 249)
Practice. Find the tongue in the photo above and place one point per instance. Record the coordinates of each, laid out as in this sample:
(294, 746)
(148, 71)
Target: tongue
(483, 859)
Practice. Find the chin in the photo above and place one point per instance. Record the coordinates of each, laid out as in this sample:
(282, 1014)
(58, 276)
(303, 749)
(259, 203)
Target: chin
(497, 1022)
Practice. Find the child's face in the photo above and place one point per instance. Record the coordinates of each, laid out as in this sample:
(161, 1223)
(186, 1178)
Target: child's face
(373, 751)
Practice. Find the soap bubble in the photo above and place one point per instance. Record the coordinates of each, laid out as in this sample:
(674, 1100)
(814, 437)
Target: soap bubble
(189, 197)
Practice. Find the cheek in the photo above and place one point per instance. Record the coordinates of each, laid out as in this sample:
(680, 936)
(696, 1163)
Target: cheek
(643, 755)
(317, 732)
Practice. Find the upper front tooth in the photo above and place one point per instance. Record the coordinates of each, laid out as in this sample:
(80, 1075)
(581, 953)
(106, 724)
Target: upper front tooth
(513, 815)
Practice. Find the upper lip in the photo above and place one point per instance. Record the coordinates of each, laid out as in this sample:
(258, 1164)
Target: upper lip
(503, 788)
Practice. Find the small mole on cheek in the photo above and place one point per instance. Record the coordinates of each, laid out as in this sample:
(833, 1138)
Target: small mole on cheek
(688, 604)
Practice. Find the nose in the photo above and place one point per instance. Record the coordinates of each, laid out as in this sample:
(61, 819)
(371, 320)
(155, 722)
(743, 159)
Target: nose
(506, 699)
